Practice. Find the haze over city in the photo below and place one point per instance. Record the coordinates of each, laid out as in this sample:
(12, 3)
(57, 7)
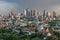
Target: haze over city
(40, 5)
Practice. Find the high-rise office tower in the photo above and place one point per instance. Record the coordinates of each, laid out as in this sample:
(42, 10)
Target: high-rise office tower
(13, 14)
(24, 12)
(49, 14)
(38, 15)
(44, 13)
(9, 15)
(19, 14)
(43, 17)
(28, 13)
(32, 13)
(54, 14)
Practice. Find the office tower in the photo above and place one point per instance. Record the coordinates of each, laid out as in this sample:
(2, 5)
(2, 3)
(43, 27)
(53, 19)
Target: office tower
(32, 13)
(44, 13)
(9, 15)
(54, 14)
(49, 14)
(19, 14)
(58, 17)
(24, 12)
(38, 15)
(44, 16)
(13, 13)
(28, 13)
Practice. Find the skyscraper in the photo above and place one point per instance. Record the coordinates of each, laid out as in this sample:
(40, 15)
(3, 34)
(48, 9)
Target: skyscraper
(43, 13)
(54, 14)
(32, 12)
(28, 13)
(37, 15)
(13, 14)
(19, 14)
(24, 12)
(43, 17)
(49, 14)
(46, 14)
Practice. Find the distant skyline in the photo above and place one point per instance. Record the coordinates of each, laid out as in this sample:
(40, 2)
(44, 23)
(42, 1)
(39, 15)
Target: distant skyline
(48, 5)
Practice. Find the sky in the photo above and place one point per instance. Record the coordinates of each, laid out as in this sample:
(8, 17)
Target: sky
(49, 5)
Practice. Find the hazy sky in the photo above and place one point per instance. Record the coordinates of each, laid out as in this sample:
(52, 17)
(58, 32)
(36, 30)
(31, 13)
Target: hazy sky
(49, 5)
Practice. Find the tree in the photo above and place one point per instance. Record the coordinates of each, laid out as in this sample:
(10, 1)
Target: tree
(52, 38)
(36, 38)
(58, 38)
(14, 37)
(53, 23)
(57, 33)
